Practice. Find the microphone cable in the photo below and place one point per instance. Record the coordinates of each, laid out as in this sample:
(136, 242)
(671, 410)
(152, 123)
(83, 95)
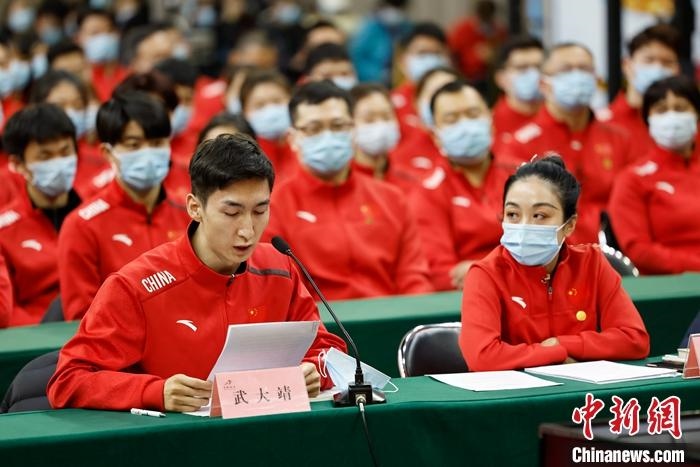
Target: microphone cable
(361, 406)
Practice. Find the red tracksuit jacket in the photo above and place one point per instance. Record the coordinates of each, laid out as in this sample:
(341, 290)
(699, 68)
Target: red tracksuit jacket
(104, 234)
(358, 239)
(5, 294)
(28, 243)
(416, 154)
(130, 341)
(654, 212)
(283, 158)
(456, 220)
(595, 156)
(506, 120)
(508, 309)
(620, 114)
(395, 176)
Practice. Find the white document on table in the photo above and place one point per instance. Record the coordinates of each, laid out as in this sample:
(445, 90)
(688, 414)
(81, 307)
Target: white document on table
(602, 372)
(263, 345)
(493, 380)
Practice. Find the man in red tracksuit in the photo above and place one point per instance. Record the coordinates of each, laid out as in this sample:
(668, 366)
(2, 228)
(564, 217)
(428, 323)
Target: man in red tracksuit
(595, 152)
(156, 327)
(518, 76)
(131, 215)
(355, 234)
(652, 56)
(5, 294)
(41, 143)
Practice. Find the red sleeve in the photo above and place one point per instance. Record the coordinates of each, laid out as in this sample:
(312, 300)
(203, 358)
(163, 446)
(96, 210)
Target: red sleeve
(412, 273)
(629, 215)
(434, 228)
(77, 267)
(622, 333)
(480, 339)
(303, 308)
(5, 294)
(94, 366)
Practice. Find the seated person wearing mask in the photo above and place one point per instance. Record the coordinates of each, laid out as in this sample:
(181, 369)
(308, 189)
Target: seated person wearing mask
(536, 300)
(41, 142)
(133, 213)
(130, 349)
(332, 62)
(355, 234)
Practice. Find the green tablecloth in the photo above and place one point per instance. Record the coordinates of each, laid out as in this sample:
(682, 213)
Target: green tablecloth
(425, 423)
(667, 304)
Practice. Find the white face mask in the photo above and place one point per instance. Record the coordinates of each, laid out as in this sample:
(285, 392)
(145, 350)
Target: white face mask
(673, 130)
(341, 368)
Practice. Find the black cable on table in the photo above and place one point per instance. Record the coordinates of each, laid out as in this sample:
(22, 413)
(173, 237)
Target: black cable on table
(361, 405)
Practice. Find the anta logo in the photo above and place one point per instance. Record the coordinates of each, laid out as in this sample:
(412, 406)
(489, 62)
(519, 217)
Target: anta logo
(461, 201)
(31, 244)
(520, 301)
(188, 323)
(307, 216)
(665, 186)
(123, 238)
(157, 281)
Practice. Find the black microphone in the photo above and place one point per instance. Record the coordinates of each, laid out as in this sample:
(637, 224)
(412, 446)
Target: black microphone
(356, 393)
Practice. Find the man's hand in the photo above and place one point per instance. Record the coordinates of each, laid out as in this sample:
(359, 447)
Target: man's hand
(570, 360)
(458, 272)
(184, 394)
(550, 342)
(312, 378)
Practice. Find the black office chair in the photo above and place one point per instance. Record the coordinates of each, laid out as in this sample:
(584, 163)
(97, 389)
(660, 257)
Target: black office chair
(621, 263)
(431, 349)
(54, 312)
(28, 390)
(606, 236)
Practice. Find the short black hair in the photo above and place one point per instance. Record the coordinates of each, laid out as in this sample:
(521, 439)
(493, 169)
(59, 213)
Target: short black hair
(40, 123)
(115, 114)
(681, 86)
(227, 159)
(84, 13)
(426, 28)
(363, 90)
(153, 82)
(428, 74)
(226, 119)
(43, 86)
(319, 24)
(64, 47)
(551, 169)
(516, 43)
(134, 36)
(661, 33)
(256, 77)
(327, 52)
(180, 72)
(55, 8)
(316, 92)
(450, 88)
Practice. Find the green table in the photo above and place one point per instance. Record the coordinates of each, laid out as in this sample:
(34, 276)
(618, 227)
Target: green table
(667, 303)
(425, 423)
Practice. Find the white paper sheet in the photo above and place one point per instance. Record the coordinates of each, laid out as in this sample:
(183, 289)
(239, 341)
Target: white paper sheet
(602, 372)
(493, 380)
(263, 345)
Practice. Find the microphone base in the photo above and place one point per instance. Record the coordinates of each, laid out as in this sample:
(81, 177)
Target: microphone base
(355, 392)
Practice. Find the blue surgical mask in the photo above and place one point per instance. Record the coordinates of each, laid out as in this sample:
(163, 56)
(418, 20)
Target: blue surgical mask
(526, 85)
(6, 84)
(646, 75)
(51, 35)
(181, 51)
(40, 65)
(289, 13)
(341, 369)
(102, 48)
(78, 117)
(21, 73)
(419, 64)
(344, 82)
(144, 168)
(21, 20)
(206, 17)
(100, 4)
(328, 152)
(573, 88)
(233, 105)
(377, 139)
(531, 245)
(425, 114)
(181, 118)
(91, 117)
(467, 139)
(54, 176)
(673, 130)
(270, 122)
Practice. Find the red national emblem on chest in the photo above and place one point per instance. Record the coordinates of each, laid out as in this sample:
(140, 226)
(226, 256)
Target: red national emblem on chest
(368, 214)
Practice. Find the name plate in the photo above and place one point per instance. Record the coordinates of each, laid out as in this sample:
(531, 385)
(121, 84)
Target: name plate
(259, 392)
(691, 369)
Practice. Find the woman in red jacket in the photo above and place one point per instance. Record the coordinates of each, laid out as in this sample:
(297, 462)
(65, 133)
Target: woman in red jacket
(654, 204)
(535, 300)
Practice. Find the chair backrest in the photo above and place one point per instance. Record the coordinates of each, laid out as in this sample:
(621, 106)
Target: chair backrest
(431, 349)
(621, 263)
(28, 390)
(54, 312)
(606, 235)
